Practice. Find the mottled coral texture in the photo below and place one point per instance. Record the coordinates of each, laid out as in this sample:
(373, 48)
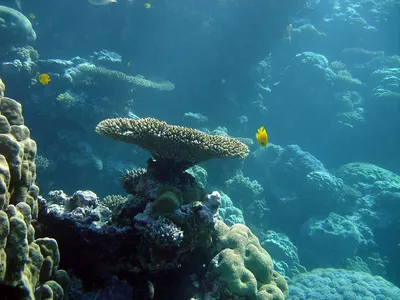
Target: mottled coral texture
(242, 269)
(169, 142)
(27, 265)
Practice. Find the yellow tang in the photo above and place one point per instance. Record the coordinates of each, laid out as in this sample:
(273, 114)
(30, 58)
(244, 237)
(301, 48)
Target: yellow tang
(32, 16)
(262, 136)
(44, 78)
(147, 5)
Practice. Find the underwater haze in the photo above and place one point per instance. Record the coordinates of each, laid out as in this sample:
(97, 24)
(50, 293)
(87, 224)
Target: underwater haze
(190, 150)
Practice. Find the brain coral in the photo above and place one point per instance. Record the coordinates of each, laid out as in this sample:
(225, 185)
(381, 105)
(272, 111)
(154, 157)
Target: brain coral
(184, 146)
(28, 265)
(242, 268)
(338, 284)
(15, 28)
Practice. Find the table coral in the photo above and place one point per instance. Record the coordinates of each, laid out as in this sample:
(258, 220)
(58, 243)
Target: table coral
(183, 146)
(27, 265)
(102, 75)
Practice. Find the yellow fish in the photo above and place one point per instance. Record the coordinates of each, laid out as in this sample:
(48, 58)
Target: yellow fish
(102, 2)
(44, 78)
(147, 5)
(32, 16)
(262, 136)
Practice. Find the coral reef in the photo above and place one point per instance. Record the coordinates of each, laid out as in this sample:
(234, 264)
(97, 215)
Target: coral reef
(247, 193)
(338, 284)
(377, 209)
(106, 58)
(113, 201)
(15, 28)
(103, 76)
(298, 185)
(353, 208)
(335, 237)
(229, 213)
(242, 268)
(135, 242)
(28, 266)
(169, 143)
(168, 228)
(83, 207)
(195, 119)
(284, 252)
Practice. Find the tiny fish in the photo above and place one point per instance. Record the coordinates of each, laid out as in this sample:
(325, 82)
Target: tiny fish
(44, 78)
(262, 136)
(32, 16)
(147, 5)
(102, 2)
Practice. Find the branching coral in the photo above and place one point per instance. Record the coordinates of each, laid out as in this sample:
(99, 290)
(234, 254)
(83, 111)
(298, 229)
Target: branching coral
(113, 201)
(183, 146)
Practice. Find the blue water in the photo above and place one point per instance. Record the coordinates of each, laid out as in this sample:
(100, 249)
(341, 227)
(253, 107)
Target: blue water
(322, 76)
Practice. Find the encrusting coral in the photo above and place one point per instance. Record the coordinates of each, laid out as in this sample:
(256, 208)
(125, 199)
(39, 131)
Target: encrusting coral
(28, 267)
(184, 147)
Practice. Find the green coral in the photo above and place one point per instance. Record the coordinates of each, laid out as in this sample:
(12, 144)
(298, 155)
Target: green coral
(168, 199)
(194, 194)
(242, 268)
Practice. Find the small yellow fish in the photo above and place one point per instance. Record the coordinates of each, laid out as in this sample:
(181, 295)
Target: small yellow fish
(128, 64)
(262, 136)
(147, 5)
(44, 78)
(32, 16)
(102, 2)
